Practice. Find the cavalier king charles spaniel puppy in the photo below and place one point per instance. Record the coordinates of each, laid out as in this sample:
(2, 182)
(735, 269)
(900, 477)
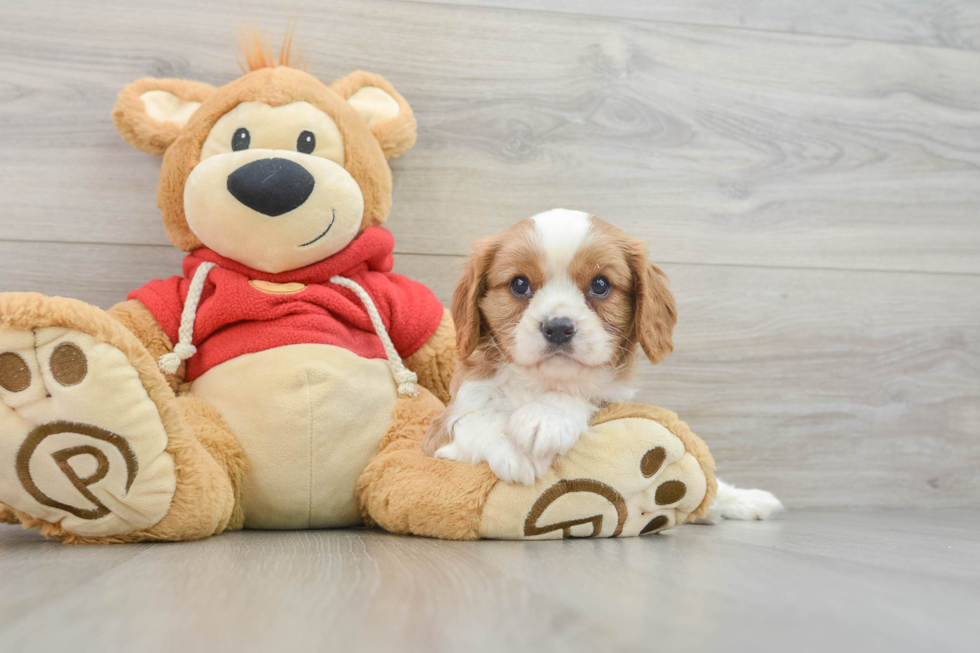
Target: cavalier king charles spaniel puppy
(549, 315)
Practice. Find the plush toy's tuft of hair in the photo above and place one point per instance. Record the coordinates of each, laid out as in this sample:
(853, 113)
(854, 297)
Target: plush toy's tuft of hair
(258, 52)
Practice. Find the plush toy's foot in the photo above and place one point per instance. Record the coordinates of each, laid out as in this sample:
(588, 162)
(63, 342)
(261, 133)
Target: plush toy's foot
(638, 470)
(86, 423)
(81, 442)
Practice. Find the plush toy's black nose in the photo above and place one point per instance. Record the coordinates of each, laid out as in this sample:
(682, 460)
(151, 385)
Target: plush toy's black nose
(558, 330)
(271, 186)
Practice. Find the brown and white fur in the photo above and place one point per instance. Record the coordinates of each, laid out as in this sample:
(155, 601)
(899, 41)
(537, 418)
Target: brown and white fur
(549, 315)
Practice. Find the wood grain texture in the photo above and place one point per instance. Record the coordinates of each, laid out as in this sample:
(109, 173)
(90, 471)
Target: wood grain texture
(718, 145)
(98, 274)
(943, 23)
(812, 581)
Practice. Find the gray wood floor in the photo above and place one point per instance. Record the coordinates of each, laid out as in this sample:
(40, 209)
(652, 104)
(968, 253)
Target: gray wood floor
(812, 581)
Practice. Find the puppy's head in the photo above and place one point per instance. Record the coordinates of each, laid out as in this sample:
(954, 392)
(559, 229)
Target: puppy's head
(563, 290)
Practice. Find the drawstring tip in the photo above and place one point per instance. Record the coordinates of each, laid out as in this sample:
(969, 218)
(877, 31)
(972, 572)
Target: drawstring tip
(169, 363)
(406, 380)
(409, 389)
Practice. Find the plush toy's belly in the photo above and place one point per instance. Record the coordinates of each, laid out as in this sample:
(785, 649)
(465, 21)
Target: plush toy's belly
(310, 418)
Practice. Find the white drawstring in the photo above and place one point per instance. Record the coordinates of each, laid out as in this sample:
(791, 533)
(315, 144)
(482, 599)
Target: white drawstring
(169, 363)
(405, 377)
(185, 334)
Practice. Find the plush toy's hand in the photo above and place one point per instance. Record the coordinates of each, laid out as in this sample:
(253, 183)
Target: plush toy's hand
(547, 428)
(434, 362)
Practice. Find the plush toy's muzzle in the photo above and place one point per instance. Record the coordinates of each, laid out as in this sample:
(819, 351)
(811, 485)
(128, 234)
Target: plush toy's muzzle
(273, 209)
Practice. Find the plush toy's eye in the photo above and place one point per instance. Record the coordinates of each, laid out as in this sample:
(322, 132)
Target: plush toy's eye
(306, 142)
(600, 287)
(521, 287)
(241, 140)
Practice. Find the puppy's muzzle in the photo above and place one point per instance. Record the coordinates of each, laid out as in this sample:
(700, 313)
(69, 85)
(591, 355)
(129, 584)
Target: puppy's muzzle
(558, 330)
(271, 186)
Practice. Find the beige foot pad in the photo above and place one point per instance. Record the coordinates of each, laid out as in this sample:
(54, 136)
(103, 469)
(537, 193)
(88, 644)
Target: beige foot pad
(81, 442)
(628, 475)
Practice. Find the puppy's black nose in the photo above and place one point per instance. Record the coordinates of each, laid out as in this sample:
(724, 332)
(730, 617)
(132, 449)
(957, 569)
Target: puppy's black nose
(558, 330)
(271, 186)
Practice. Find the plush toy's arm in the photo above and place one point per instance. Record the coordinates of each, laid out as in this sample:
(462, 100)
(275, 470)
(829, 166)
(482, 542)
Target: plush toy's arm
(435, 361)
(136, 317)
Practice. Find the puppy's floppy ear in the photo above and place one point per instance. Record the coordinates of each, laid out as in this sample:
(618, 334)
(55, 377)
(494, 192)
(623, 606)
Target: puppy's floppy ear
(470, 289)
(656, 312)
(150, 113)
(385, 111)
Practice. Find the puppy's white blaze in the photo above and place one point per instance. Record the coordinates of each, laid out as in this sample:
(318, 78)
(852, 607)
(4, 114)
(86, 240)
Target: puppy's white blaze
(560, 233)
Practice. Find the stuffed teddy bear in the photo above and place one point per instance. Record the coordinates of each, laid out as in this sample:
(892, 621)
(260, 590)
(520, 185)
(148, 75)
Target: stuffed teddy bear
(286, 379)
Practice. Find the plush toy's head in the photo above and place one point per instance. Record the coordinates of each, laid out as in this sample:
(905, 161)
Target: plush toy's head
(275, 170)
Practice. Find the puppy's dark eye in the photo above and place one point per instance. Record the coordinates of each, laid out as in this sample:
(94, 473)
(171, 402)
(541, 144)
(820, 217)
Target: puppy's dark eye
(306, 142)
(600, 287)
(520, 286)
(241, 140)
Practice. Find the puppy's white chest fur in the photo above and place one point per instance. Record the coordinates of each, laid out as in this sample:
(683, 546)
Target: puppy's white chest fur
(520, 419)
(514, 387)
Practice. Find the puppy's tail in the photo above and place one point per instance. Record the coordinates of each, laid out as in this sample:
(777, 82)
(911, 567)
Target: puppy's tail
(745, 505)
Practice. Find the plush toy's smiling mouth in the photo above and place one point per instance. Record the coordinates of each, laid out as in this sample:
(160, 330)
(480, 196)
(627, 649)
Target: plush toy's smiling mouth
(333, 216)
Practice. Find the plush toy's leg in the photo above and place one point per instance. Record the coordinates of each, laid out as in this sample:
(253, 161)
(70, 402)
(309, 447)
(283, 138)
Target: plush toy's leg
(404, 491)
(638, 470)
(94, 445)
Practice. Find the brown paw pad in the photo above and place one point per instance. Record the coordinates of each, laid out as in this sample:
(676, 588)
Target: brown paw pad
(68, 364)
(655, 524)
(652, 461)
(670, 492)
(15, 376)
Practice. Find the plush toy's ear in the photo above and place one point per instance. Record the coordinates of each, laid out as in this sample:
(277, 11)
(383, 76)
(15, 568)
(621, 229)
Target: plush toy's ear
(150, 113)
(385, 111)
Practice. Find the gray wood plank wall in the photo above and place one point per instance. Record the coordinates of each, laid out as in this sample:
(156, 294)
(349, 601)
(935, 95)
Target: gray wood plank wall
(807, 173)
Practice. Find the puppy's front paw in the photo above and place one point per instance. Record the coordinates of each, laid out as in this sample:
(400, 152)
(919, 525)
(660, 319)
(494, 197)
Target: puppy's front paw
(510, 464)
(541, 464)
(506, 461)
(543, 432)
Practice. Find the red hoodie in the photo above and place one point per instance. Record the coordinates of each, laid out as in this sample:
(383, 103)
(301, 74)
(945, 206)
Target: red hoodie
(235, 318)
